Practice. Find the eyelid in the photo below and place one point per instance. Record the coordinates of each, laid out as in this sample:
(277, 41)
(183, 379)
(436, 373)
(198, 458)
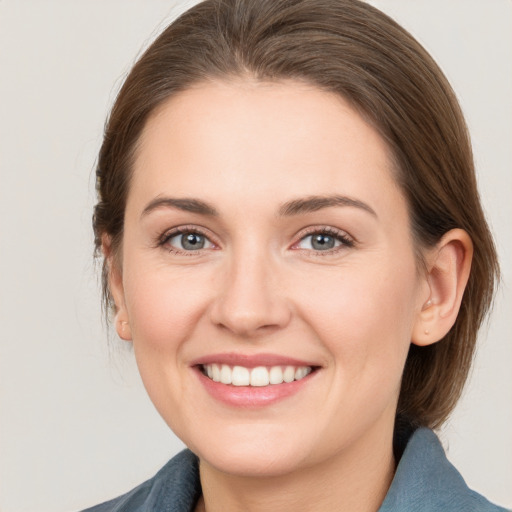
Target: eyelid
(178, 230)
(347, 241)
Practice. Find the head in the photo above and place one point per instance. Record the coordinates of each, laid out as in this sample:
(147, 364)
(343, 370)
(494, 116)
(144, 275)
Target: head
(346, 50)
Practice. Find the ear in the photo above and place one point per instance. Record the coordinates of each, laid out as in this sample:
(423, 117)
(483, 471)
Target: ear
(448, 268)
(115, 284)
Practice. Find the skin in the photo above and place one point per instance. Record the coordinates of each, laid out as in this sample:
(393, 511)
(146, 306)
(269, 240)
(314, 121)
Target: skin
(259, 286)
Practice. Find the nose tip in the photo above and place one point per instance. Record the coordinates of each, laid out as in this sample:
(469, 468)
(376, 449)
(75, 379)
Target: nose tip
(247, 323)
(250, 305)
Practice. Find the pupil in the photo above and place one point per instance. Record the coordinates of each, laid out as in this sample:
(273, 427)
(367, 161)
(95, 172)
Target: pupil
(323, 242)
(192, 241)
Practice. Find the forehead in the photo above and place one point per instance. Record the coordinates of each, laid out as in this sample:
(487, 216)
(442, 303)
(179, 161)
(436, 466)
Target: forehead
(250, 141)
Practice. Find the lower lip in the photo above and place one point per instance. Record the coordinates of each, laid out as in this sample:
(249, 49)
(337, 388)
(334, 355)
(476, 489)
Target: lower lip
(252, 396)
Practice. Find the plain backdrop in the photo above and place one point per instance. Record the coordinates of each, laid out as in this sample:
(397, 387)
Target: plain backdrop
(76, 426)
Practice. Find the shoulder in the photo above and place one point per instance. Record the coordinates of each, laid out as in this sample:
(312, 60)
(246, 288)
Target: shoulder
(425, 481)
(175, 488)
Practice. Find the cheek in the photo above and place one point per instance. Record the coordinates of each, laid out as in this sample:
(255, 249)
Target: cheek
(164, 309)
(164, 306)
(364, 315)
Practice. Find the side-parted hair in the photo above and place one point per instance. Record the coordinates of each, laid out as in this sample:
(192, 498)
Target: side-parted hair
(352, 49)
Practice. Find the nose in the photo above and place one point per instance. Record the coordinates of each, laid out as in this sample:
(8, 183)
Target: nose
(250, 300)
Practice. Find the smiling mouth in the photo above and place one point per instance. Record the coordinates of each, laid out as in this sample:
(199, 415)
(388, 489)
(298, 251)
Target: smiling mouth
(258, 376)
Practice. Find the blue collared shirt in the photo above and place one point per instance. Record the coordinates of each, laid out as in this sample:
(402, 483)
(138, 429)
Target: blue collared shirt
(425, 481)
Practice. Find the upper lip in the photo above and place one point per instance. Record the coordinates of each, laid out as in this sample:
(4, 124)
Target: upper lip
(250, 360)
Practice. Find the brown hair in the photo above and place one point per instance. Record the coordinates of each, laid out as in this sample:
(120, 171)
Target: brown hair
(354, 50)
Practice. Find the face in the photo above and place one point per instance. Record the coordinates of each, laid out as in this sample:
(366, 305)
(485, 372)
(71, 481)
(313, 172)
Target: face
(267, 277)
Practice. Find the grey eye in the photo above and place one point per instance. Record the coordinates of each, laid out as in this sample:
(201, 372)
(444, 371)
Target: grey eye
(322, 242)
(189, 241)
(319, 242)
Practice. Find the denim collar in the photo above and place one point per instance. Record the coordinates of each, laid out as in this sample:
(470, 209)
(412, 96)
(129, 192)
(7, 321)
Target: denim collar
(425, 481)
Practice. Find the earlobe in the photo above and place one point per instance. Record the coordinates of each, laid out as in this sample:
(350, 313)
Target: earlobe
(115, 283)
(123, 328)
(448, 268)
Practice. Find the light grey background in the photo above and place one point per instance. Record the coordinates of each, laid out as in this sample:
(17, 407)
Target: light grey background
(76, 426)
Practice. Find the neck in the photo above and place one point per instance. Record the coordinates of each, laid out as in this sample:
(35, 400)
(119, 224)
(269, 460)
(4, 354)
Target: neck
(355, 480)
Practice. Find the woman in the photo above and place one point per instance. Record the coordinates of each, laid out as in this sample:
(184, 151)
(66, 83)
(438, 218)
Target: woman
(293, 242)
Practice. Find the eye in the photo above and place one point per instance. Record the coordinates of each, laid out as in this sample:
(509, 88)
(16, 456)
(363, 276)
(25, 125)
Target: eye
(182, 241)
(324, 240)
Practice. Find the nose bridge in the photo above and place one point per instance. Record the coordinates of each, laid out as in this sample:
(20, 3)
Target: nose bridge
(249, 299)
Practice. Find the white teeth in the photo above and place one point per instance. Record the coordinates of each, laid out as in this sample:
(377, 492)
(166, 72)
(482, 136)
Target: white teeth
(301, 372)
(258, 376)
(240, 376)
(289, 374)
(225, 374)
(276, 375)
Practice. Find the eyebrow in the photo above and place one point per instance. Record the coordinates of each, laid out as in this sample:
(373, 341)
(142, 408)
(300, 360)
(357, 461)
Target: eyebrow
(315, 203)
(185, 204)
(295, 207)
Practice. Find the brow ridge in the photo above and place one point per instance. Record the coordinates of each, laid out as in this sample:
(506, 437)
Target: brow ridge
(314, 203)
(298, 206)
(186, 204)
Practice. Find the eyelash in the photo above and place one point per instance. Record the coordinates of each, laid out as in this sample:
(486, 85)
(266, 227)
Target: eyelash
(184, 230)
(346, 241)
(341, 236)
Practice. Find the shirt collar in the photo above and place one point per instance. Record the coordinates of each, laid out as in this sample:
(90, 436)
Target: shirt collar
(425, 481)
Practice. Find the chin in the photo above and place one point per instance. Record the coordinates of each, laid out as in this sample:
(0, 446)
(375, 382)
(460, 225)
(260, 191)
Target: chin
(251, 456)
(262, 464)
